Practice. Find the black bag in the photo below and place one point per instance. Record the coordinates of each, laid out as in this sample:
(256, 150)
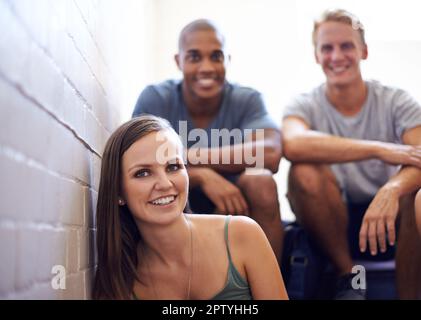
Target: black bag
(302, 264)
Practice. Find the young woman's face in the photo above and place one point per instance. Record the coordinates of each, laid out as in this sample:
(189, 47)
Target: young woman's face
(154, 178)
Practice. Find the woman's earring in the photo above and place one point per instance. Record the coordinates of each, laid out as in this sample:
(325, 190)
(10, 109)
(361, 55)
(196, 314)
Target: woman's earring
(121, 202)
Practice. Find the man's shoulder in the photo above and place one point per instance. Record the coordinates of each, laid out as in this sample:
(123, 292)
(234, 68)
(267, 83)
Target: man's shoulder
(242, 89)
(384, 90)
(164, 93)
(242, 100)
(164, 88)
(158, 99)
(309, 105)
(238, 92)
(314, 97)
(389, 96)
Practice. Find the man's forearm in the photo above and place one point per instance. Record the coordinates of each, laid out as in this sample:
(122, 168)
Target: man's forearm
(195, 176)
(313, 146)
(236, 158)
(406, 181)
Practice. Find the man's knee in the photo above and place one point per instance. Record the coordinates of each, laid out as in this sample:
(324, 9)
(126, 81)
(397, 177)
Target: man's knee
(406, 213)
(308, 179)
(259, 190)
(418, 211)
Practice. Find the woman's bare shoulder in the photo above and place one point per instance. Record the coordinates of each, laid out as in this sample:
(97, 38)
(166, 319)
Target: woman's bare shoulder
(237, 222)
(243, 227)
(207, 223)
(240, 227)
(206, 218)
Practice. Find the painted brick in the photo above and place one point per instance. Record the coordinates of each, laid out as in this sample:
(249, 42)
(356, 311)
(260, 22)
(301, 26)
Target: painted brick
(56, 88)
(26, 127)
(14, 45)
(52, 251)
(79, 160)
(35, 18)
(43, 80)
(12, 174)
(8, 259)
(71, 203)
(73, 110)
(95, 171)
(75, 287)
(39, 291)
(89, 276)
(93, 254)
(96, 134)
(91, 198)
(27, 255)
(72, 252)
(87, 248)
(50, 198)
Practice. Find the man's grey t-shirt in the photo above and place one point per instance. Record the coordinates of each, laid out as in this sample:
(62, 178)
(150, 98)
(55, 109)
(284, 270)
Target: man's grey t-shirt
(241, 109)
(386, 114)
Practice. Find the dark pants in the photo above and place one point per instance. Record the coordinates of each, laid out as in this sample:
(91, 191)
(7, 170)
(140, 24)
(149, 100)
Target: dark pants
(200, 203)
(356, 214)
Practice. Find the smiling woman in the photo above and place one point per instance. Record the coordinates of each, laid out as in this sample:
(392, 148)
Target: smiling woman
(154, 187)
(148, 248)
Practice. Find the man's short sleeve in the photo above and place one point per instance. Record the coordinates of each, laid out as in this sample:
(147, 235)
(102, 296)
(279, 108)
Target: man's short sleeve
(407, 113)
(256, 115)
(299, 107)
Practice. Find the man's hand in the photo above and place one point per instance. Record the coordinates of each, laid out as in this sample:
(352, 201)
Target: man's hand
(226, 196)
(398, 154)
(379, 217)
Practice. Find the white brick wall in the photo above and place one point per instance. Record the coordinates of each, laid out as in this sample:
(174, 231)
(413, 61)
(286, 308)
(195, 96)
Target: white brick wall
(62, 86)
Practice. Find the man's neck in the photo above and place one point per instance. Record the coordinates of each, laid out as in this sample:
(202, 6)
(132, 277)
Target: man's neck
(348, 99)
(202, 111)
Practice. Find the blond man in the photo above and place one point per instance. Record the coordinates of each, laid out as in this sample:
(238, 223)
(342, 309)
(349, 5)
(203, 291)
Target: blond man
(356, 157)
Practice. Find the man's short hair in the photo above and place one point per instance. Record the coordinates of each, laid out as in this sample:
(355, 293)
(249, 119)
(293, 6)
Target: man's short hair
(199, 25)
(339, 15)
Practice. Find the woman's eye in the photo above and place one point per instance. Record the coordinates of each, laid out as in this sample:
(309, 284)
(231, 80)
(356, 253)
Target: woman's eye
(173, 167)
(141, 173)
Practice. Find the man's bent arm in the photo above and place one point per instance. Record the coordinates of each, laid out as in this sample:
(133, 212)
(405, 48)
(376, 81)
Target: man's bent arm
(195, 176)
(264, 151)
(304, 145)
(408, 179)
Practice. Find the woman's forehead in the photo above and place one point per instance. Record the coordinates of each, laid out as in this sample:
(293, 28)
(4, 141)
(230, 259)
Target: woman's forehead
(155, 147)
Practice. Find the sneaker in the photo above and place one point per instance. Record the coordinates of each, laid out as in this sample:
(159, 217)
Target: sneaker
(345, 291)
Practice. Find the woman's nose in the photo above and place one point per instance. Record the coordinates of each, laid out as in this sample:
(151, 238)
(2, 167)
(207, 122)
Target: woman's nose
(163, 182)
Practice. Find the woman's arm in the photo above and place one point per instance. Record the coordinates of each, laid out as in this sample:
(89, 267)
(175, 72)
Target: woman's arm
(254, 251)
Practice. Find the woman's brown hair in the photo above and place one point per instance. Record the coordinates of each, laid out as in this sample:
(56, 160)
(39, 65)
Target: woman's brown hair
(117, 236)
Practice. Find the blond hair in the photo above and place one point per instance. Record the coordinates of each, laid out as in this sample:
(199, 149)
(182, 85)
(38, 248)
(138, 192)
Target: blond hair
(339, 15)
